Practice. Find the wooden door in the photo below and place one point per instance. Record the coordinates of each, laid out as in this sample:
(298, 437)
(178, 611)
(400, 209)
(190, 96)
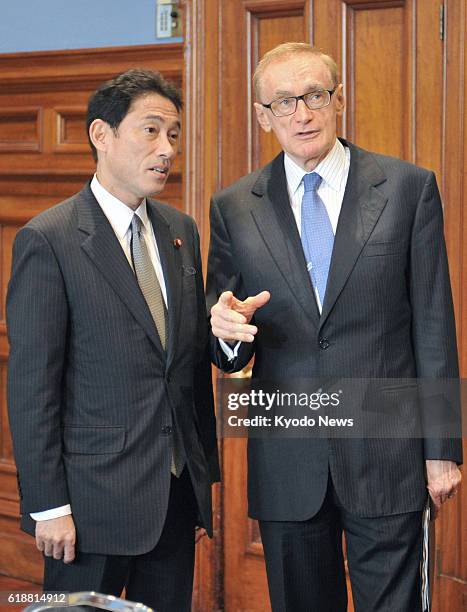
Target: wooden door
(402, 68)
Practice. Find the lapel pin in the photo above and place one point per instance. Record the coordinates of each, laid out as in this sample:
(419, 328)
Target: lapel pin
(178, 243)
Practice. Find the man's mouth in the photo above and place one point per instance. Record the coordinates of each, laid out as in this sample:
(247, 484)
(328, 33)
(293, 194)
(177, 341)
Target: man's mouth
(162, 170)
(308, 133)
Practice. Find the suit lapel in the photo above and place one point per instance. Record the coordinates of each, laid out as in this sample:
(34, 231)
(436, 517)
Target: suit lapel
(361, 208)
(101, 245)
(276, 223)
(172, 269)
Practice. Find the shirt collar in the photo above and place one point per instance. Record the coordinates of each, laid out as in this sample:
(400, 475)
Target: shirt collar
(116, 211)
(328, 169)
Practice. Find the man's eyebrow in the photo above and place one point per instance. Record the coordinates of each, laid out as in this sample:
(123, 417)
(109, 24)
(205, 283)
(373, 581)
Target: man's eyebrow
(282, 92)
(161, 119)
(307, 88)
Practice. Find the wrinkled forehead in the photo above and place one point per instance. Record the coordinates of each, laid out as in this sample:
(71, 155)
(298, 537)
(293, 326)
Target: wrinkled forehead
(295, 74)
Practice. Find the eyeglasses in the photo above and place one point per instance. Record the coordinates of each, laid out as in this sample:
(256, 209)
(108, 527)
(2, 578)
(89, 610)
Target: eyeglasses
(314, 100)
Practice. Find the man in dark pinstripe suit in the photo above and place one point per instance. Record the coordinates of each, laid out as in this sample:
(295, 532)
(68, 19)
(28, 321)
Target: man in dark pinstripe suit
(383, 311)
(109, 385)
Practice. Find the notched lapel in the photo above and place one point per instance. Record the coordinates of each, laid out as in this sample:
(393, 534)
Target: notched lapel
(361, 208)
(101, 245)
(274, 218)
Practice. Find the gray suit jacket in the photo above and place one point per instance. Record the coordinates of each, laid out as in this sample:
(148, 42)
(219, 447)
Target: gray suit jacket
(387, 314)
(92, 396)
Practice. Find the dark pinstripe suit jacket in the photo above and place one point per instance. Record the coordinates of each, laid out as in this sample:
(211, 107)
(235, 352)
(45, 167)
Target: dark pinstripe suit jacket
(387, 313)
(91, 393)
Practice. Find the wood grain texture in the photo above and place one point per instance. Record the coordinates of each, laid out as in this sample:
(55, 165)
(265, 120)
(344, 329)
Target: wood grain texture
(378, 95)
(85, 68)
(20, 129)
(202, 175)
(70, 132)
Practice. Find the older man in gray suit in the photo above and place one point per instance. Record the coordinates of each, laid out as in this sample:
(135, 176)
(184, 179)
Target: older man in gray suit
(330, 261)
(109, 387)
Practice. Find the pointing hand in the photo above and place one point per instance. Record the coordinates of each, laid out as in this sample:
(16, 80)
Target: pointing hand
(230, 317)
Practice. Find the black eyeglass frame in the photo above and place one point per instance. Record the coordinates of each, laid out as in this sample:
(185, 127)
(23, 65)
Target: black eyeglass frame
(297, 98)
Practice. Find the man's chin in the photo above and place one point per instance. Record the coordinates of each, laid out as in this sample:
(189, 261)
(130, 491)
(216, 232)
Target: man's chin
(157, 186)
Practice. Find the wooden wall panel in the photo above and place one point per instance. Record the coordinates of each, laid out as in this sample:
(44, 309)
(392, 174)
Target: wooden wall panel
(377, 83)
(459, 77)
(6, 447)
(202, 173)
(20, 129)
(70, 135)
(427, 108)
(45, 158)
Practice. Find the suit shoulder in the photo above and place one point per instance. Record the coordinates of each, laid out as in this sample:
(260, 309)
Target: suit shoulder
(242, 187)
(55, 219)
(390, 164)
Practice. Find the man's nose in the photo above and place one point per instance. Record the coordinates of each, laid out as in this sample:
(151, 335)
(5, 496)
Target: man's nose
(166, 147)
(303, 113)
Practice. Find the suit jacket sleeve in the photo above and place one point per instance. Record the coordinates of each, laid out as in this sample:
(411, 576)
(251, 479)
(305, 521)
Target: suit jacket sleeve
(224, 276)
(433, 327)
(37, 319)
(204, 399)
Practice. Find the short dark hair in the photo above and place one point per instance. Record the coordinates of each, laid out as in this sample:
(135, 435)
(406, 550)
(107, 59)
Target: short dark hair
(112, 101)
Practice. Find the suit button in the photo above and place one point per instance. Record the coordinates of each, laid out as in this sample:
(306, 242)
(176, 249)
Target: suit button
(324, 343)
(167, 430)
(168, 378)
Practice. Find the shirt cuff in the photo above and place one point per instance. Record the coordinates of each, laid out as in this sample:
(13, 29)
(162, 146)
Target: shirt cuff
(53, 513)
(230, 352)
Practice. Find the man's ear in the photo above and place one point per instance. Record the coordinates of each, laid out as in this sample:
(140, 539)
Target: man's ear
(340, 100)
(263, 117)
(99, 134)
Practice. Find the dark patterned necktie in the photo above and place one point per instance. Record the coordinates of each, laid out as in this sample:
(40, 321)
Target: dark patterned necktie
(147, 279)
(151, 289)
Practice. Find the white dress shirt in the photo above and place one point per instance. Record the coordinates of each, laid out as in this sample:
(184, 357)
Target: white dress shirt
(120, 216)
(334, 171)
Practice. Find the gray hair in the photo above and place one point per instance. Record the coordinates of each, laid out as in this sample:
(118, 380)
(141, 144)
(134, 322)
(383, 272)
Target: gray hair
(286, 50)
